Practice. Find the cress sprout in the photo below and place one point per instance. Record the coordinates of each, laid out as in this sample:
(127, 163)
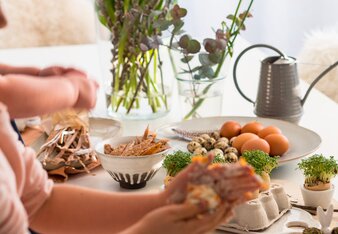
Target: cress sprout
(318, 169)
(178, 160)
(260, 161)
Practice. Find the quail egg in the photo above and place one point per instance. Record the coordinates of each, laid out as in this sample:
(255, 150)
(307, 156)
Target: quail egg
(192, 145)
(209, 143)
(200, 151)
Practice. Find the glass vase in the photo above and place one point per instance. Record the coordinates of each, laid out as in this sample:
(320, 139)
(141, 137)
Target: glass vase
(200, 98)
(132, 91)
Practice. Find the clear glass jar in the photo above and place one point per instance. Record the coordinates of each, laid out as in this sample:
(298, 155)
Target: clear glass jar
(200, 98)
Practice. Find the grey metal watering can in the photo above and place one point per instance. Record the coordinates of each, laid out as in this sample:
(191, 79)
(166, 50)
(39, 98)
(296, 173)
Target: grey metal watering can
(278, 93)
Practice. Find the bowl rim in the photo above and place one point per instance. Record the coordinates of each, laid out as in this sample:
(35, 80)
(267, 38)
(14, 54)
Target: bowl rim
(104, 141)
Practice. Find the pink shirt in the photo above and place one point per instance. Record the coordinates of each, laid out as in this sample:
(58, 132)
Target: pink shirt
(24, 185)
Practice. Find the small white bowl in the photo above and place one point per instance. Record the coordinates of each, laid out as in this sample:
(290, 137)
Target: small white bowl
(317, 198)
(132, 172)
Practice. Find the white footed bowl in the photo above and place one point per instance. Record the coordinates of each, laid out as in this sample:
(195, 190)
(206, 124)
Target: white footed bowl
(132, 172)
(317, 198)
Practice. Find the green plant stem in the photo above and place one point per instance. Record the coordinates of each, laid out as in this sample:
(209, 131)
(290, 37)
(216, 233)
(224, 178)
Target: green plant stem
(172, 61)
(198, 103)
(139, 84)
(224, 55)
(244, 18)
(164, 96)
(219, 67)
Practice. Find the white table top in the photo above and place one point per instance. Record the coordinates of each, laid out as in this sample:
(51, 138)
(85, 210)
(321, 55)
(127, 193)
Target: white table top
(320, 112)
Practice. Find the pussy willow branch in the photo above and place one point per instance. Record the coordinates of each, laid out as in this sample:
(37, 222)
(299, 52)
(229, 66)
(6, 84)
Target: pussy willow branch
(140, 82)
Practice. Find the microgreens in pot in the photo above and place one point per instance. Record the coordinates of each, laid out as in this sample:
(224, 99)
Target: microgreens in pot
(318, 170)
(262, 163)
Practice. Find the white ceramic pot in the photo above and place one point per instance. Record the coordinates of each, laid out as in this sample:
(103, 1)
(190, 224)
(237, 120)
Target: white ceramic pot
(317, 198)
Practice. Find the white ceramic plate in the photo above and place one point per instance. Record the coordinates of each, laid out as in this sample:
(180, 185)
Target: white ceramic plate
(302, 141)
(103, 128)
(99, 129)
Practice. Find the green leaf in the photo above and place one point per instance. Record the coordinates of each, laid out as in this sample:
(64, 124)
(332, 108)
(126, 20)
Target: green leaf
(193, 47)
(215, 57)
(103, 20)
(178, 25)
(162, 24)
(109, 7)
(187, 58)
(210, 45)
(182, 12)
(184, 41)
(195, 69)
(230, 17)
(242, 15)
(207, 71)
(197, 77)
(238, 22)
(177, 12)
(204, 59)
(155, 13)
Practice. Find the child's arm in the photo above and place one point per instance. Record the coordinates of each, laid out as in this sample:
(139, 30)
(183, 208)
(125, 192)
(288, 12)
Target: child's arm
(6, 69)
(88, 211)
(80, 210)
(27, 96)
(32, 71)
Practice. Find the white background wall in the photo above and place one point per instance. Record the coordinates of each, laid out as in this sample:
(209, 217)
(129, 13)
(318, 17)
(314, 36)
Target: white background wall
(282, 23)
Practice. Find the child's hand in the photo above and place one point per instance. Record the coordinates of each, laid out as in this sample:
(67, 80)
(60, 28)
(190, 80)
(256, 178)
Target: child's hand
(53, 71)
(86, 88)
(182, 218)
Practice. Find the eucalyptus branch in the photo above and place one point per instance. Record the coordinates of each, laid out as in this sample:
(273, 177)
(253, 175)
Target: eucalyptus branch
(216, 50)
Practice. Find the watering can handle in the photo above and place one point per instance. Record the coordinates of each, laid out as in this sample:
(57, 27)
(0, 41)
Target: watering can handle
(315, 81)
(239, 57)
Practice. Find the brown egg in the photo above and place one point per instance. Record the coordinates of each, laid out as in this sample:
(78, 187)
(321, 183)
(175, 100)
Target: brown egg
(256, 144)
(268, 130)
(279, 144)
(253, 127)
(241, 139)
(230, 129)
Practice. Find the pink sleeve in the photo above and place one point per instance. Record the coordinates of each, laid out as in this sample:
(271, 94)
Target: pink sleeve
(37, 186)
(24, 186)
(13, 217)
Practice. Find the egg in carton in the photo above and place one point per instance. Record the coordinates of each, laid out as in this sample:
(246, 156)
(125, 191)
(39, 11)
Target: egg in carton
(260, 213)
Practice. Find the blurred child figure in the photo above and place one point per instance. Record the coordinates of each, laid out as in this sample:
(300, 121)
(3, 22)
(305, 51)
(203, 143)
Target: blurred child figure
(30, 200)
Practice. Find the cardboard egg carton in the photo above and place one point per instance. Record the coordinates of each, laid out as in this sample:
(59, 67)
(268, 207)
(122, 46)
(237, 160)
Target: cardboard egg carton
(260, 213)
